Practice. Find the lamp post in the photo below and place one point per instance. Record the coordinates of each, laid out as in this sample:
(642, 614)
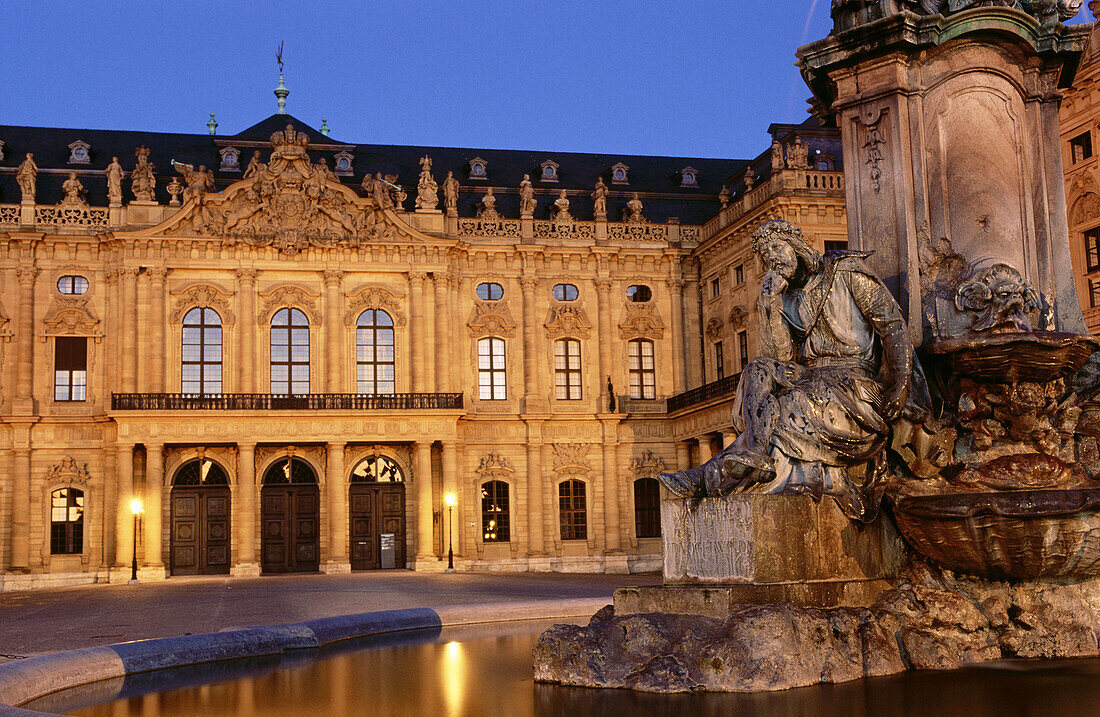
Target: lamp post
(137, 510)
(450, 500)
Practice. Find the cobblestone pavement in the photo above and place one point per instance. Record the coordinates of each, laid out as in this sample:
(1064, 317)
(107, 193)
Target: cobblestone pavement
(42, 621)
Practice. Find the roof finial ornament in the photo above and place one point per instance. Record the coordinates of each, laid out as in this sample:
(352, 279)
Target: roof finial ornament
(325, 129)
(212, 125)
(281, 91)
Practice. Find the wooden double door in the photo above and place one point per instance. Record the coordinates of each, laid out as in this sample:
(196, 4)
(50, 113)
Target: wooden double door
(376, 510)
(200, 530)
(290, 521)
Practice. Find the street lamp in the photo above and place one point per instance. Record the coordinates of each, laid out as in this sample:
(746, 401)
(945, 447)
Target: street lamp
(137, 510)
(450, 500)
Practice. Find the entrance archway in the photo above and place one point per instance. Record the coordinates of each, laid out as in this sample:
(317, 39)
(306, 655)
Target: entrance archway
(290, 518)
(200, 506)
(376, 506)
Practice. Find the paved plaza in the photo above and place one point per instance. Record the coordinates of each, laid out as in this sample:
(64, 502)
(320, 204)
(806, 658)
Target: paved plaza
(33, 623)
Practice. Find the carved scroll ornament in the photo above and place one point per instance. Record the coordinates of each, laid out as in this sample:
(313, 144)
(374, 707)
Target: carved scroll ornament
(70, 315)
(374, 297)
(567, 320)
(203, 295)
(289, 295)
(571, 457)
(641, 321)
(491, 317)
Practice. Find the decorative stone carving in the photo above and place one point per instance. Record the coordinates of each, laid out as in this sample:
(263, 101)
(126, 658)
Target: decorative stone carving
(798, 155)
(640, 321)
(231, 159)
(567, 320)
(714, 329)
(68, 470)
(850, 13)
(80, 152)
(26, 176)
(288, 295)
(599, 200)
(398, 193)
(526, 197)
(114, 175)
(199, 181)
(571, 457)
(344, 162)
(999, 299)
(488, 208)
(479, 168)
(491, 318)
(494, 466)
(873, 145)
(689, 177)
(374, 297)
(450, 194)
(750, 178)
(724, 196)
(549, 171)
(777, 156)
(255, 166)
(70, 315)
(74, 192)
(142, 180)
(620, 173)
(427, 196)
(738, 315)
(561, 208)
(175, 189)
(1, 150)
(1085, 209)
(648, 465)
(634, 210)
(203, 295)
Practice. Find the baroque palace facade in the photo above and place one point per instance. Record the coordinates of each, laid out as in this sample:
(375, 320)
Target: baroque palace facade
(292, 360)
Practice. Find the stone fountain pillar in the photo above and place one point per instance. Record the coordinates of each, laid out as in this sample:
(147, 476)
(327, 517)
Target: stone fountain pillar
(949, 122)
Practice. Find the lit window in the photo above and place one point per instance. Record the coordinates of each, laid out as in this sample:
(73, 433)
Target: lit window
(643, 376)
(1092, 249)
(200, 472)
(202, 352)
(374, 355)
(490, 291)
(70, 368)
(494, 512)
(715, 288)
(70, 284)
(490, 369)
(647, 508)
(739, 274)
(571, 509)
(377, 469)
(289, 470)
(567, 369)
(719, 361)
(565, 292)
(743, 348)
(67, 521)
(639, 293)
(1081, 147)
(289, 352)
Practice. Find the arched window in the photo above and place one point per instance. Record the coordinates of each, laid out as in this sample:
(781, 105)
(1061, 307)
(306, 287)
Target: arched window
(202, 352)
(565, 292)
(66, 521)
(289, 470)
(647, 508)
(377, 469)
(201, 471)
(643, 376)
(289, 352)
(490, 369)
(494, 512)
(567, 369)
(571, 509)
(490, 291)
(374, 358)
(639, 293)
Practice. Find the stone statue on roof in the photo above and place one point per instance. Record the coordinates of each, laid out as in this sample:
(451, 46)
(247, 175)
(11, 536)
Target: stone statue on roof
(114, 175)
(634, 210)
(798, 155)
(777, 156)
(74, 192)
(427, 191)
(199, 181)
(398, 194)
(142, 180)
(724, 196)
(750, 178)
(379, 191)
(255, 166)
(26, 175)
(561, 208)
(526, 197)
(450, 194)
(599, 199)
(488, 208)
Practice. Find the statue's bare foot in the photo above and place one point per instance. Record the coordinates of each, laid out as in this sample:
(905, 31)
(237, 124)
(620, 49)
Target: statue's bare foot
(743, 467)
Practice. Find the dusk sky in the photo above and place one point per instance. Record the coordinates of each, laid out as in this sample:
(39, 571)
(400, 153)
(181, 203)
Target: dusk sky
(691, 78)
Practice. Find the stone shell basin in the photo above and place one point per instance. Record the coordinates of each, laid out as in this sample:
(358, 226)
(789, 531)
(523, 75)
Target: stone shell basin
(1035, 356)
(1022, 534)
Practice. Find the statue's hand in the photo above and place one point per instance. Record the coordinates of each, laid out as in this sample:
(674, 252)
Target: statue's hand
(773, 285)
(894, 400)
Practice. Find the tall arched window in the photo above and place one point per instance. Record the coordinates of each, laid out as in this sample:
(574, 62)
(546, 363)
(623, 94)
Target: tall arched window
(571, 509)
(567, 369)
(647, 508)
(66, 521)
(494, 512)
(490, 369)
(643, 375)
(289, 352)
(202, 352)
(374, 360)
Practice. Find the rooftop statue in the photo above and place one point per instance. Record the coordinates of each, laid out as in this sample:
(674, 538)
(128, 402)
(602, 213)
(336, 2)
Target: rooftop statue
(114, 176)
(815, 412)
(26, 176)
(599, 199)
(849, 13)
(142, 179)
(561, 206)
(427, 196)
(526, 196)
(450, 194)
(74, 192)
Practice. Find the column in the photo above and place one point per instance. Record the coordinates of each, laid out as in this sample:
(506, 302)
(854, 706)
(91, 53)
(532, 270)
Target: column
(112, 355)
(443, 358)
(142, 356)
(154, 504)
(683, 455)
(157, 356)
(24, 375)
(693, 332)
(612, 539)
(450, 485)
(603, 310)
(334, 332)
(423, 478)
(246, 341)
(534, 399)
(535, 535)
(124, 518)
(245, 510)
(21, 502)
(129, 328)
(417, 332)
(679, 350)
(336, 485)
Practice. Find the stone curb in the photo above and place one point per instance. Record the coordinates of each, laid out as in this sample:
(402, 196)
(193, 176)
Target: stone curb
(24, 680)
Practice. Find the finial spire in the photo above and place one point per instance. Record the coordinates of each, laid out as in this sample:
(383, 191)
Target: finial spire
(212, 125)
(281, 91)
(324, 127)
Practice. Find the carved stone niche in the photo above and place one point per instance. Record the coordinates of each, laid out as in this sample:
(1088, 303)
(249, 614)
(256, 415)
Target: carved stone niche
(640, 321)
(374, 296)
(200, 294)
(289, 296)
(567, 320)
(491, 318)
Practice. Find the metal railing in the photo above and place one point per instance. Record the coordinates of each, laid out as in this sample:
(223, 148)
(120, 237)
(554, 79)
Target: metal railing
(283, 402)
(714, 389)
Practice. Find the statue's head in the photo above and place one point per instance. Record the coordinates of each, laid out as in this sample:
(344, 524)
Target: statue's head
(780, 247)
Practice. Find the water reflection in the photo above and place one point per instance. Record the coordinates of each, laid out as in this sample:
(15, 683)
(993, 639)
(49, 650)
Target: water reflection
(486, 670)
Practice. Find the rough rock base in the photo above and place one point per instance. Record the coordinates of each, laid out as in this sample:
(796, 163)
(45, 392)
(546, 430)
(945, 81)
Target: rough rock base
(930, 619)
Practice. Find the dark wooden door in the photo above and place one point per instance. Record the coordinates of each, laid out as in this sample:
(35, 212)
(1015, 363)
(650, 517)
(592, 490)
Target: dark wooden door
(374, 509)
(200, 530)
(290, 520)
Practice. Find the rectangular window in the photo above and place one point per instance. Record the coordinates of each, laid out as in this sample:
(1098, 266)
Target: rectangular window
(715, 288)
(494, 512)
(643, 376)
(1094, 293)
(1092, 249)
(1081, 147)
(571, 509)
(567, 369)
(490, 370)
(66, 521)
(70, 368)
(739, 274)
(743, 349)
(719, 361)
(647, 508)
(832, 245)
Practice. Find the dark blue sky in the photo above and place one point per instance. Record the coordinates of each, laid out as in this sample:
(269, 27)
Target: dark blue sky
(689, 78)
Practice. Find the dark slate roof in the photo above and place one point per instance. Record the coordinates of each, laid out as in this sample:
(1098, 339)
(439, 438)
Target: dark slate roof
(657, 177)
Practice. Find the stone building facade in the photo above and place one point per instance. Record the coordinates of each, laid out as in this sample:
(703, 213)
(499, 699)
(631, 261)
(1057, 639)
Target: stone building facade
(293, 358)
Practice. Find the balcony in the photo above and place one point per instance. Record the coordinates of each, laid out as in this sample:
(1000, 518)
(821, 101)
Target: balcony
(283, 402)
(706, 392)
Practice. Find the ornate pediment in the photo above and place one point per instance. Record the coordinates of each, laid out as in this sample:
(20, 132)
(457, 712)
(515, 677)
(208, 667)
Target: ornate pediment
(203, 295)
(571, 457)
(69, 315)
(641, 321)
(738, 316)
(491, 317)
(68, 471)
(714, 329)
(494, 465)
(567, 320)
(648, 465)
(292, 296)
(374, 297)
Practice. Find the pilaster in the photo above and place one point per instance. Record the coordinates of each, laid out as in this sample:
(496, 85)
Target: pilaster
(417, 333)
(679, 365)
(157, 329)
(424, 513)
(154, 505)
(21, 498)
(603, 311)
(334, 331)
(535, 488)
(337, 493)
(24, 381)
(246, 343)
(244, 537)
(534, 396)
(130, 327)
(443, 358)
(124, 518)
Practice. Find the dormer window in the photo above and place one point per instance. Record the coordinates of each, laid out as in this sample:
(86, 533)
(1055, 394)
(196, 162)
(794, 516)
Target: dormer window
(1, 150)
(230, 159)
(619, 173)
(342, 161)
(689, 177)
(549, 171)
(479, 168)
(80, 152)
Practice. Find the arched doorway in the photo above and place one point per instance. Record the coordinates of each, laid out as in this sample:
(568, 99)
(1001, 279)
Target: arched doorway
(290, 518)
(200, 519)
(376, 501)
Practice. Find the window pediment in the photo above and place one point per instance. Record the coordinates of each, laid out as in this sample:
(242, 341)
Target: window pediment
(567, 320)
(641, 321)
(289, 296)
(495, 466)
(491, 317)
(374, 297)
(648, 465)
(68, 472)
(68, 315)
(203, 295)
(571, 458)
(714, 329)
